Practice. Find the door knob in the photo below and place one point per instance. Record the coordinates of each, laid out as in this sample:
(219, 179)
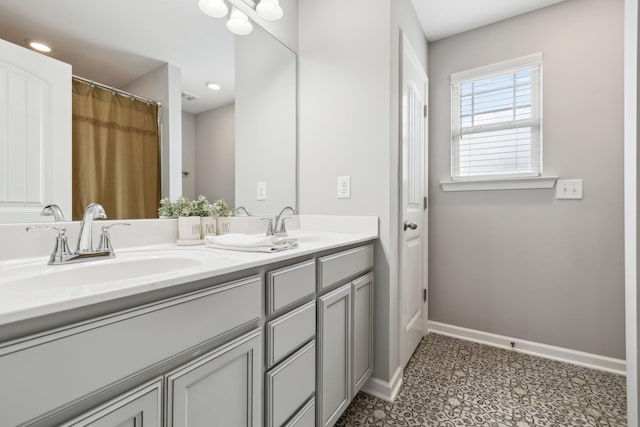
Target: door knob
(411, 225)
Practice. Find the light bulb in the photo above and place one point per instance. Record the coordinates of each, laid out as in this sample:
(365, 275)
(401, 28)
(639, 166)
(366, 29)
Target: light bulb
(40, 46)
(238, 23)
(214, 8)
(269, 10)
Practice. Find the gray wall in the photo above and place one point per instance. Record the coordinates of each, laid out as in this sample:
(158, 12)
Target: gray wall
(189, 154)
(215, 154)
(521, 263)
(348, 119)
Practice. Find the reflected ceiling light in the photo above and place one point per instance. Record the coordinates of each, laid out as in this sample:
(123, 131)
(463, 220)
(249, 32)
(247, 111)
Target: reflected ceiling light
(39, 46)
(238, 23)
(214, 8)
(212, 85)
(269, 10)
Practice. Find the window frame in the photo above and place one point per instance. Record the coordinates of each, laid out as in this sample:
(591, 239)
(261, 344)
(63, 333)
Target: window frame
(528, 62)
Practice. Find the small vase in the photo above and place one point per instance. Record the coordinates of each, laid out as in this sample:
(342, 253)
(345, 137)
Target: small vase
(224, 225)
(189, 228)
(208, 226)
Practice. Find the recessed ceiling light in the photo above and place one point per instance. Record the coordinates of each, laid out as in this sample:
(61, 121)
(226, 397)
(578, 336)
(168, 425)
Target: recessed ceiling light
(39, 46)
(212, 85)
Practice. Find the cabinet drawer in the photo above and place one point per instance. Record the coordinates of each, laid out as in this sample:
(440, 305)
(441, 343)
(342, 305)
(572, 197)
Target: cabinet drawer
(289, 285)
(288, 332)
(290, 384)
(335, 268)
(106, 350)
(306, 416)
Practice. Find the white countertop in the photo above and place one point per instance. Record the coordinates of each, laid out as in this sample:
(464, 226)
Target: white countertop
(29, 288)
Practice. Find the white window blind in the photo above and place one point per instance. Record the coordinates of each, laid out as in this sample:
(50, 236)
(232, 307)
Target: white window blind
(496, 120)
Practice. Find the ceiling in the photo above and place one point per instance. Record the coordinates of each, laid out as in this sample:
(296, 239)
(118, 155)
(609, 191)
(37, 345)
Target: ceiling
(116, 41)
(444, 18)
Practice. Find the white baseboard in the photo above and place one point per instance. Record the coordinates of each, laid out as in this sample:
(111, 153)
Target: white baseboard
(589, 360)
(385, 390)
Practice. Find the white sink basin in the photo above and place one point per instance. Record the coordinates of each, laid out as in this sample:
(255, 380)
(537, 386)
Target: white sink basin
(125, 267)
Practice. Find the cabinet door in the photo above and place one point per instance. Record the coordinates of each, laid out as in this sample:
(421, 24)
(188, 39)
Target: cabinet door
(140, 407)
(362, 308)
(221, 388)
(334, 355)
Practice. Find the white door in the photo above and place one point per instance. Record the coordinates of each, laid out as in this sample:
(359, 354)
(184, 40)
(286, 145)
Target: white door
(413, 306)
(35, 134)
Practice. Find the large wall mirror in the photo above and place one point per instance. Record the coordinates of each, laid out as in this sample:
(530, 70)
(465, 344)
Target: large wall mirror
(227, 143)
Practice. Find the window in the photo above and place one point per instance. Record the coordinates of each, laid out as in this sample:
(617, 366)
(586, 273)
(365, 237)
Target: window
(496, 121)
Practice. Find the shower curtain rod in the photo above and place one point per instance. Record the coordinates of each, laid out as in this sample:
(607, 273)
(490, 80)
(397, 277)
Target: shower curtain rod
(119, 91)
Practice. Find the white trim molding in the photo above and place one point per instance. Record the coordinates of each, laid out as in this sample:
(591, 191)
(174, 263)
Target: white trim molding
(588, 360)
(385, 390)
(510, 65)
(526, 183)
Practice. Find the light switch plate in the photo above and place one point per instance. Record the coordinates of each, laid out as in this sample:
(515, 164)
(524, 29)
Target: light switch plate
(262, 191)
(569, 189)
(344, 187)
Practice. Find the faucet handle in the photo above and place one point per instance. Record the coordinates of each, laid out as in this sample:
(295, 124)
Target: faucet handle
(60, 230)
(269, 226)
(104, 245)
(115, 224)
(61, 249)
(282, 231)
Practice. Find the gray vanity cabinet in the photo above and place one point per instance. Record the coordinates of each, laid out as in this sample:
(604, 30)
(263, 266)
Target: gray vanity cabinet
(220, 388)
(141, 407)
(345, 331)
(121, 348)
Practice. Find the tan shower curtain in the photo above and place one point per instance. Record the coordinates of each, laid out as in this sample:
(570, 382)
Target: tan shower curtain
(116, 154)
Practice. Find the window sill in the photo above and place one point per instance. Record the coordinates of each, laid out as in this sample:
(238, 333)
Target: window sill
(526, 183)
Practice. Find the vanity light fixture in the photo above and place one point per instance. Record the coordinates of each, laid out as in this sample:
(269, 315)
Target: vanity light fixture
(214, 8)
(39, 46)
(212, 85)
(239, 23)
(269, 10)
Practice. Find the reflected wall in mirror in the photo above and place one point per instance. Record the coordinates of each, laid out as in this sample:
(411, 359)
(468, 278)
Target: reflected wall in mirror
(229, 140)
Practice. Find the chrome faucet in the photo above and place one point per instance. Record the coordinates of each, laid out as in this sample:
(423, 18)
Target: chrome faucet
(85, 238)
(281, 229)
(245, 210)
(53, 210)
(84, 252)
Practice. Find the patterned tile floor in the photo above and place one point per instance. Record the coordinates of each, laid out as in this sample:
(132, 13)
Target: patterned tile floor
(451, 382)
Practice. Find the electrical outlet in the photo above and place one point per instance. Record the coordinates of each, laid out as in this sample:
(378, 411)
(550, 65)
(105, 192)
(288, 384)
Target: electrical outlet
(569, 189)
(262, 191)
(344, 187)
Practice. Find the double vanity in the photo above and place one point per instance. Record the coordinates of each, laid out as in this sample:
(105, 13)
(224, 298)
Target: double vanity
(172, 336)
